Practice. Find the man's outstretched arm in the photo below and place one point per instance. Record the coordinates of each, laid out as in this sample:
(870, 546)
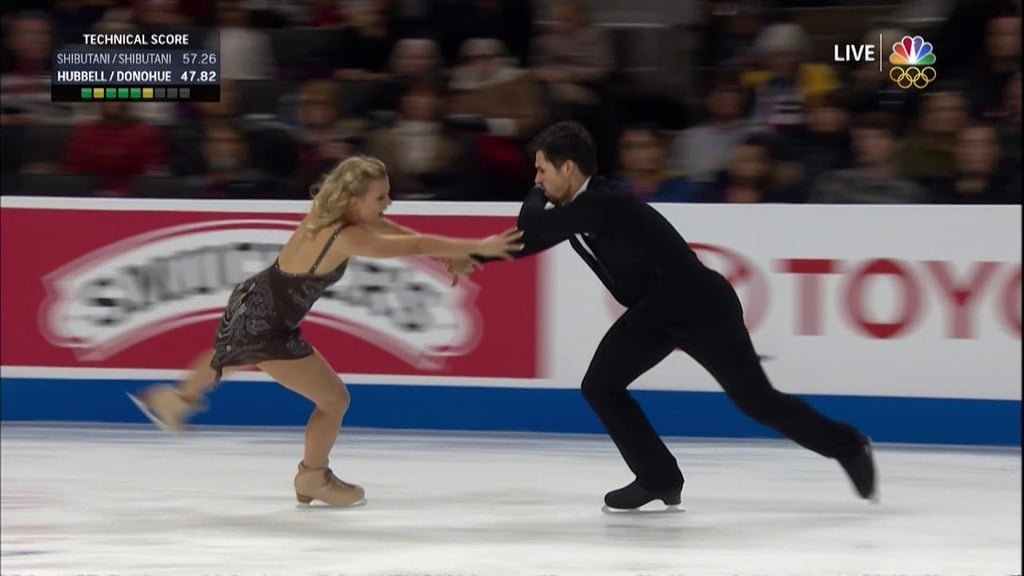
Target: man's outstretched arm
(545, 228)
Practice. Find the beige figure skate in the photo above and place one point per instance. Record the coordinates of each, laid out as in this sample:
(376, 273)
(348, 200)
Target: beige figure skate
(166, 408)
(321, 484)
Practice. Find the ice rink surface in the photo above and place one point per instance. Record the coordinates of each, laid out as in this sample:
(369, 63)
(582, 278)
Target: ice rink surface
(133, 501)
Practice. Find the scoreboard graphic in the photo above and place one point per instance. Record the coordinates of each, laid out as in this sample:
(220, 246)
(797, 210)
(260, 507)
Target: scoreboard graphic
(136, 67)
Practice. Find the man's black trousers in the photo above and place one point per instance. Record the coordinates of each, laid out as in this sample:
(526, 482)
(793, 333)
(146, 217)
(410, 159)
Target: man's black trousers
(706, 323)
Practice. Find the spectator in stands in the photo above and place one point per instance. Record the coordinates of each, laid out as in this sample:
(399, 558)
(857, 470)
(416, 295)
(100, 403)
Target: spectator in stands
(73, 19)
(644, 170)
(366, 41)
(1010, 133)
(227, 108)
(490, 88)
(824, 145)
(416, 60)
(702, 151)
(273, 153)
(874, 179)
(28, 44)
(200, 13)
(786, 79)
(12, 161)
(152, 15)
(412, 60)
(730, 31)
(749, 176)
(419, 154)
(272, 144)
(930, 151)
(25, 80)
(573, 61)
(757, 171)
(332, 149)
(186, 138)
(964, 29)
(978, 178)
(246, 53)
(116, 148)
(1011, 101)
(327, 14)
(988, 79)
(226, 160)
(277, 14)
(320, 127)
(117, 11)
(574, 57)
(510, 21)
(489, 84)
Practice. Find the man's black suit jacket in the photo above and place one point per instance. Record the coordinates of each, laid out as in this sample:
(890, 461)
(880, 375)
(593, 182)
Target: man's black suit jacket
(630, 246)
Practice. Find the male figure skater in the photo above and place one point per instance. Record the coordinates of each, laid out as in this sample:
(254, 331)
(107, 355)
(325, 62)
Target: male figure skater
(673, 301)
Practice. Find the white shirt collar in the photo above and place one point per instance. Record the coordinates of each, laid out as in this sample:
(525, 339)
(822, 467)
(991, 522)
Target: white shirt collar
(582, 188)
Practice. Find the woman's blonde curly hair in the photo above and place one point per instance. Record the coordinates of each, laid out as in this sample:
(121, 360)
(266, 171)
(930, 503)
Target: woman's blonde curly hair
(350, 178)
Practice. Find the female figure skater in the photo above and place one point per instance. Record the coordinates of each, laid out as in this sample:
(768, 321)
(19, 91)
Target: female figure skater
(260, 326)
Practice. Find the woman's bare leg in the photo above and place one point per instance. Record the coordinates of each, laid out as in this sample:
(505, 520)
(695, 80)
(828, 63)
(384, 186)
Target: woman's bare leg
(171, 407)
(202, 378)
(313, 378)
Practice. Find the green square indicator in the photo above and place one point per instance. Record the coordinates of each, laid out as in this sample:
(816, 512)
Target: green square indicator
(86, 93)
(122, 93)
(136, 93)
(111, 93)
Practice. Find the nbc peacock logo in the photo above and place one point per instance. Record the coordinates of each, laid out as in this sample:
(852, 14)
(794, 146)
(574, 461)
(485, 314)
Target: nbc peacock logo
(912, 60)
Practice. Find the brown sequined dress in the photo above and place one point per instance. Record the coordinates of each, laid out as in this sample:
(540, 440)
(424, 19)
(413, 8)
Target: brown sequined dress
(261, 321)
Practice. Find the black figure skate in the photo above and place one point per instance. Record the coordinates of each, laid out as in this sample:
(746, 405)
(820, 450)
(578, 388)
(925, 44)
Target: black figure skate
(860, 467)
(632, 497)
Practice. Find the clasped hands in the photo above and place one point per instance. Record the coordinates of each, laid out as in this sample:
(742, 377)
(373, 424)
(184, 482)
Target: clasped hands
(459, 267)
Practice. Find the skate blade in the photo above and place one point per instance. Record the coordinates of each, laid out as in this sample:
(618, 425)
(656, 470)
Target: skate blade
(317, 505)
(649, 508)
(149, 414)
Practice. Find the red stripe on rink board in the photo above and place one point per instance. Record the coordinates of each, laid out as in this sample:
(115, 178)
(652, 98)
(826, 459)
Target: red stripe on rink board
(39, 242)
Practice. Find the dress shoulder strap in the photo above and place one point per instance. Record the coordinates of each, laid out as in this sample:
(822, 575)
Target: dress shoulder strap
(326, 248)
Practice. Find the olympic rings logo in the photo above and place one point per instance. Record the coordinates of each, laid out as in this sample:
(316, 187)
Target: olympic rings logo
(919, 78)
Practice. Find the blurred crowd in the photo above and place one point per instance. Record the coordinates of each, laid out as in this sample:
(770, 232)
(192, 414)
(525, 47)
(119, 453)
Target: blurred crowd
(449, 92)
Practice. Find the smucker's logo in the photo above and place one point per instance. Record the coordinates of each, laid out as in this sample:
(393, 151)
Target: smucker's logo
(125, 293)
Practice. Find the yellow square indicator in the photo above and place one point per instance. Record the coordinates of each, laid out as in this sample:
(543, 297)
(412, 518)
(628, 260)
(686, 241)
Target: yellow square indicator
(147, 92)
(97, 92)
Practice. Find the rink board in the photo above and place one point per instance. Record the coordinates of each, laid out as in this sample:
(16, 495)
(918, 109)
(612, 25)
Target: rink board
(939, 421)
(903, 320)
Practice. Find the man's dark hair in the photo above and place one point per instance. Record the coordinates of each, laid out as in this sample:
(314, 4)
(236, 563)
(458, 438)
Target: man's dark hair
(567, 141)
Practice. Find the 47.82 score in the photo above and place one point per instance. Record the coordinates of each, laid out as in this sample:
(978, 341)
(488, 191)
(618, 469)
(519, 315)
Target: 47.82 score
(191, 76)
